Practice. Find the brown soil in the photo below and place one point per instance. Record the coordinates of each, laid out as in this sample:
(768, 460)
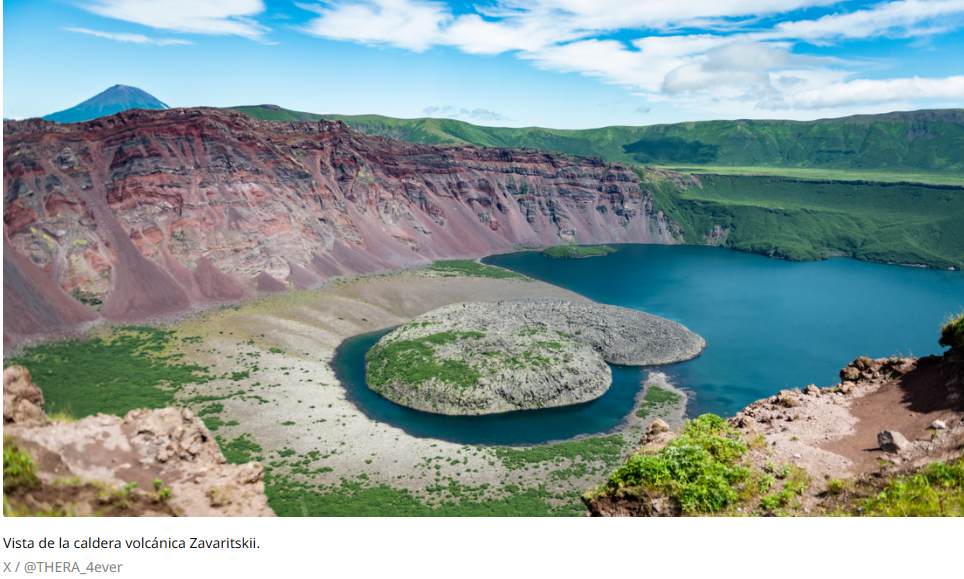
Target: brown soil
(908, 404)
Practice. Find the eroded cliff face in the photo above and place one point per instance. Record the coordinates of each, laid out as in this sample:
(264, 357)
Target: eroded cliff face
(150, 212)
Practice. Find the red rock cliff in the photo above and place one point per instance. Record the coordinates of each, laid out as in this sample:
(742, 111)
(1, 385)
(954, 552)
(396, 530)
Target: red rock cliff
(151, 211)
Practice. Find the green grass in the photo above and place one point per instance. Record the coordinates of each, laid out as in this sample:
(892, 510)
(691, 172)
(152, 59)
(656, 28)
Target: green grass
(608, 449)
(657, 400)
(113, 375)
(798, 220)
(413, 362)
(937, 491)
(698, 469)
(576, 251)
(241, 450)
(293, 499)
(469, 268)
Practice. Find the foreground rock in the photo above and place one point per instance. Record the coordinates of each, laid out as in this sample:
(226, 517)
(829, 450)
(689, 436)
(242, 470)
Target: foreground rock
(475, 358)
(170, 445)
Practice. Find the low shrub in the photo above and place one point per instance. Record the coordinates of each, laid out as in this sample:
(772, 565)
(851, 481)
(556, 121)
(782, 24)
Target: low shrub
(697, 468)
(937, 491)
(952, 333)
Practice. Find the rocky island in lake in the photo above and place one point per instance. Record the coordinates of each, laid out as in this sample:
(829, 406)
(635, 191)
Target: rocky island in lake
(478, 358)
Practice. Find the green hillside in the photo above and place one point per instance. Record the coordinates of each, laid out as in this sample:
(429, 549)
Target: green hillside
(923, 146)
(805, 220)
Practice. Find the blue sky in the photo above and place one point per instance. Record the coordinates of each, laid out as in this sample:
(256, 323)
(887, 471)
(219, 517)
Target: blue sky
(550, 63)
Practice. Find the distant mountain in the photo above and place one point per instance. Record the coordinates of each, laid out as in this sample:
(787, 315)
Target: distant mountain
(113, 100)
(912, 143)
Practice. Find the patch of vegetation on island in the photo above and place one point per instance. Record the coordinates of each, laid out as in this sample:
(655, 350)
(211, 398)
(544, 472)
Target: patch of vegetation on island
(112, 375)
(657, 400)
(576, 251)
(469, 268)
(414, 362)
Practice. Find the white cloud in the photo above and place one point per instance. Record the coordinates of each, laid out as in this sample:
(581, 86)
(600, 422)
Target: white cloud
(903, 18)
(745, 66)
(411, 24)
(220, 17)
(135, 38)
(864, 92)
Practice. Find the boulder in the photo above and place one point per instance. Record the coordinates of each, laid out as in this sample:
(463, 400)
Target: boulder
(812, 390)
(892, 442)
(23, 402)
(657, 436)
(656, 427)
(850, 374)
(939, 425)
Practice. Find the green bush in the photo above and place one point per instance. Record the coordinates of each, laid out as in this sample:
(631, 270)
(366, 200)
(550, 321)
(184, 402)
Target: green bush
(698, 468)
(952, 334)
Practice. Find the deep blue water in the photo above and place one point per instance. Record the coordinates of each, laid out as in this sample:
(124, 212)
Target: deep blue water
(769, 325)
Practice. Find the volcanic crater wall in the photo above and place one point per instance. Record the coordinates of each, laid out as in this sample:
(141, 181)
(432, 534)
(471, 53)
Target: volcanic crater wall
(148, 212)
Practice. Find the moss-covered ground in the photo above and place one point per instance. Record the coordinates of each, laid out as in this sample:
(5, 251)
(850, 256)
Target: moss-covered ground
(127, 368)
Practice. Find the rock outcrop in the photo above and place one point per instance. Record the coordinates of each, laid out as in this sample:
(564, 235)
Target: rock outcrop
(170, 445)
(151, 212)
(475, 358)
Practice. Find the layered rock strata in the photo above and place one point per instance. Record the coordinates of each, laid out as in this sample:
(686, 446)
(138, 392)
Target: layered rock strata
(150, 212)
(476, 358)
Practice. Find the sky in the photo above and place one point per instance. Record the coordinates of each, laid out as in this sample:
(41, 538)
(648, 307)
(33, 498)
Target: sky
(566, 64)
